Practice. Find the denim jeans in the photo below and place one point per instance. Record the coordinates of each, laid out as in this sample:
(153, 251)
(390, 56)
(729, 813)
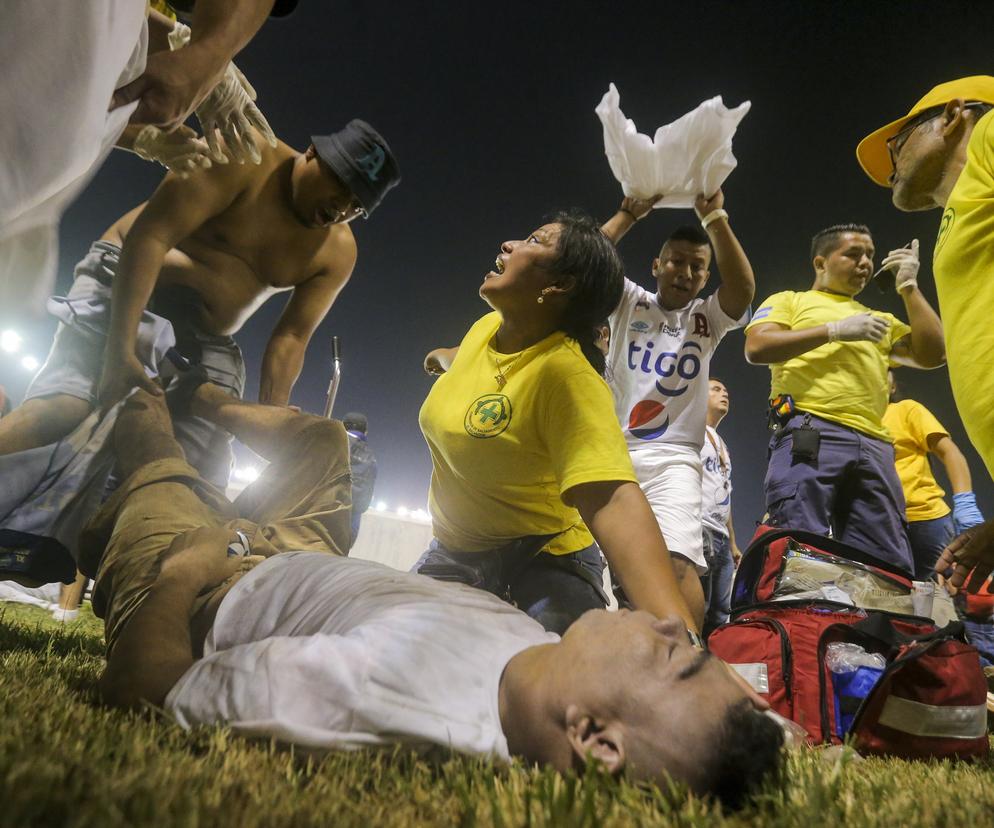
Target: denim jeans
(555, 590)
(928, 538)
(717, 582)
(981, 636)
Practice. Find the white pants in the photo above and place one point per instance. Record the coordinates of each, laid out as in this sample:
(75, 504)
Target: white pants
(670, 477)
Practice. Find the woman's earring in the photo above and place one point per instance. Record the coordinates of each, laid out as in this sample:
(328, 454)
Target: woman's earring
(545, 290)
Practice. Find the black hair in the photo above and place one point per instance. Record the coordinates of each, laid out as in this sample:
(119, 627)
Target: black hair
(746, 752)
(895, 395)
(825, 241)
(689, 233)
(354, 421)
(584, 253)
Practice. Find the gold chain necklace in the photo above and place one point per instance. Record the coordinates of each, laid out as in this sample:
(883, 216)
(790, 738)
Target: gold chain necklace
(500, 376)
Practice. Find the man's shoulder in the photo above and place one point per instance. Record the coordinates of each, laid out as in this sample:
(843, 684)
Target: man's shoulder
(782, 297)
(339, 249)
(634, 298)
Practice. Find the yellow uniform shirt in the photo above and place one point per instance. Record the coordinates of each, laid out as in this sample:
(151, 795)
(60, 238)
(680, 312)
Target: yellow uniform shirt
(502, 457)
(845, 382)
(964, 281)
(911, 425)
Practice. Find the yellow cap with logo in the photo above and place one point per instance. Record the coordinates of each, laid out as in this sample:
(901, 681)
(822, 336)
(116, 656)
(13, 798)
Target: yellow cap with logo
(872, 150)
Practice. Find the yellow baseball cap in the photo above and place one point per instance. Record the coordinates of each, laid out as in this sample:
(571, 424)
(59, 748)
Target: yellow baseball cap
(872, 150)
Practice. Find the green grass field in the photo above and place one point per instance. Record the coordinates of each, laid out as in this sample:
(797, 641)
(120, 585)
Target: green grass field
(65, 760)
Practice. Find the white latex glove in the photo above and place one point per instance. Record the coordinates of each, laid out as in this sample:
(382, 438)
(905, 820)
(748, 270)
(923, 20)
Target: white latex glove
(230, 110)
(860, 327)
(181, 151)
(904, 262)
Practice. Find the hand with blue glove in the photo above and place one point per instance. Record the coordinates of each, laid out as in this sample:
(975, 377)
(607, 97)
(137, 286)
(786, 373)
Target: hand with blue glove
(965, 512)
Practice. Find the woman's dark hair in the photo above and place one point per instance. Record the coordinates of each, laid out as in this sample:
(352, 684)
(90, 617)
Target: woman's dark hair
(586, 255)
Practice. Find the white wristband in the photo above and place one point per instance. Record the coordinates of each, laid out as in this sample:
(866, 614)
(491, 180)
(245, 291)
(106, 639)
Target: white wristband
(833, 330)
(712, 217)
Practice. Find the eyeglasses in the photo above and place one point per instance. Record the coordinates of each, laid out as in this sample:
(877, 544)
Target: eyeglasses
(897, 141)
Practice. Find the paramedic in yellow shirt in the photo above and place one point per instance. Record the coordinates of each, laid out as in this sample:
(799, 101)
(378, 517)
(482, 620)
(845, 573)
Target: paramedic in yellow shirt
(831, 468)
(529, 466)
(941, 156)
(931, 525)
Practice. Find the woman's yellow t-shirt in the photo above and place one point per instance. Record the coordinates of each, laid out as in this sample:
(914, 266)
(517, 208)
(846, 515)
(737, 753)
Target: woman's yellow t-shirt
(502, 457)
(911, 425)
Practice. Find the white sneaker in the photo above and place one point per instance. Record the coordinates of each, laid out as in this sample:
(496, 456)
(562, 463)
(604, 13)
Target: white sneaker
(64, 615)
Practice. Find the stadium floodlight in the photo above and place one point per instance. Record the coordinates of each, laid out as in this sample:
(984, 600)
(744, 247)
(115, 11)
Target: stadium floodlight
(420, 514)
(380, 506)
(402, 511)
(249, 474)
(10, 341)
(29, 363)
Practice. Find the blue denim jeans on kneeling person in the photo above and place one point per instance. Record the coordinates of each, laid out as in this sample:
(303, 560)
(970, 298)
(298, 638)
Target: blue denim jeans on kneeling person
(928, 538)
(555, 590)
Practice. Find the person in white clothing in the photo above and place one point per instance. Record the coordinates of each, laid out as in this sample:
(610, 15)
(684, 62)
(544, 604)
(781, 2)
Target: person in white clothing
(720, 550)
(222, 623)
(74, 74)
(660, 353)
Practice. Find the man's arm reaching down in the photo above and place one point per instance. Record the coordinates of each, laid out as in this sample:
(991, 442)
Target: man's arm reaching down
(156, 647)
(173, 83)
(177, 208)
(287, 346)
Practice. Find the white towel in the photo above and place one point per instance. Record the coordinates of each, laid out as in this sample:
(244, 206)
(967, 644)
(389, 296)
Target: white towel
(692, 155)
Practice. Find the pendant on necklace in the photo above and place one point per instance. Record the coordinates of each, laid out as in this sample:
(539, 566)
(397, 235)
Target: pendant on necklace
(501, 379)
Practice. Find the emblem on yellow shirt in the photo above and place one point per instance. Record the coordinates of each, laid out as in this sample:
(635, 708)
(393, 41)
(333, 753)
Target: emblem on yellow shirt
(488, 416)
(948, 220)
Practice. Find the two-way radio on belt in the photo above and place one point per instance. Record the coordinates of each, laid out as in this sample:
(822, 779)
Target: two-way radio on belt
(336, 377)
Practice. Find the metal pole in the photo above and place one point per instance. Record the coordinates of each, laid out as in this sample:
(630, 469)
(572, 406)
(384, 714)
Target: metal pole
(336, 377)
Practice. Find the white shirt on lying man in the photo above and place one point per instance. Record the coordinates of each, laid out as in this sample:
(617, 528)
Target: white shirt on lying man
(329, 652)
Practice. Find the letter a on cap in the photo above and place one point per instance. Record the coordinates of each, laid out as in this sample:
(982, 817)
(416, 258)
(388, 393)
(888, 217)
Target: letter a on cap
(372, 162)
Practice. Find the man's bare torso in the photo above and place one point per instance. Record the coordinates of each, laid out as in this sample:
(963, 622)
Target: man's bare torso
(254, 248)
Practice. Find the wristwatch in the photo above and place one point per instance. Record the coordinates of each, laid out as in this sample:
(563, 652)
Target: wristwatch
(695, 639)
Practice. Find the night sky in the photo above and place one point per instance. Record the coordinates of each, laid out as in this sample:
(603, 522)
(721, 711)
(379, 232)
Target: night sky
(489, 110)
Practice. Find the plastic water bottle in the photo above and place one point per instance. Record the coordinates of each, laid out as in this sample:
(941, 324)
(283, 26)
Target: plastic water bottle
(855, 672)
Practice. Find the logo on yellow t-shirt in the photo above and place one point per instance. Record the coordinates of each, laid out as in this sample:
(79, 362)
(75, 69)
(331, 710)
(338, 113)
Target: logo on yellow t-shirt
(948, 220)
(488, 416)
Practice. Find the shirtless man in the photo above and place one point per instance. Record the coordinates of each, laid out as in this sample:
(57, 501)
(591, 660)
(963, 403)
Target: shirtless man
(204, 253)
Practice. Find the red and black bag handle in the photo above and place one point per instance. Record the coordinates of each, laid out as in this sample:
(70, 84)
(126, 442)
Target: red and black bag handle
(879, 627)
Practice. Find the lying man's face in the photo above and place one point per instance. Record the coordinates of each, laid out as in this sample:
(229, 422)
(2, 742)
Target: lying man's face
(660, 702)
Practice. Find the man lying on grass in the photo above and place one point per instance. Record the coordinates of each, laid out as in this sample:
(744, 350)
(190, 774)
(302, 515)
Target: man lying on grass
(238, 614)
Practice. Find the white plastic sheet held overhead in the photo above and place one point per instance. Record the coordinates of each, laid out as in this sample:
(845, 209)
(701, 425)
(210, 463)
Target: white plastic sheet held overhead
(692, 155)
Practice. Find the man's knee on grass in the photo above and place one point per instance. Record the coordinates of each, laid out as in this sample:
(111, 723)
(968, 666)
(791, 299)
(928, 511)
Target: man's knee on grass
(156, 646)
(144, 433)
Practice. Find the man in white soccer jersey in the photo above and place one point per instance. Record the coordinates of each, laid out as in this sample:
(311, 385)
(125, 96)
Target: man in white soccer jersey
(658, 363)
